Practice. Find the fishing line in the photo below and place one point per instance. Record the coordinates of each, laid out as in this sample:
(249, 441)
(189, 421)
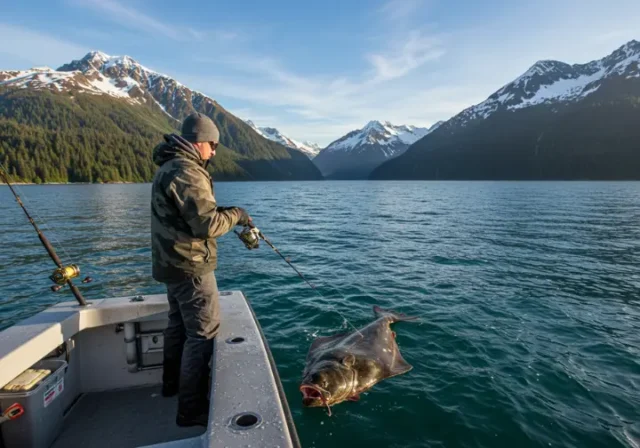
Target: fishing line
(34, 209)
(250, 236)
(63, 274)
(49, 228)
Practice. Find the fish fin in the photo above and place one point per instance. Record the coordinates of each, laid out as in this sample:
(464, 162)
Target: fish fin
(323, 340)
(395, 317)
(400, 366)
(354, 397)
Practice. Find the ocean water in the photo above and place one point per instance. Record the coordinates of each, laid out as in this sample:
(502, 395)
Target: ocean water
(528, 296)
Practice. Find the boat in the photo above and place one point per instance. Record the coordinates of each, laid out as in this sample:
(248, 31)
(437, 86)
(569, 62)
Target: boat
(90, 376)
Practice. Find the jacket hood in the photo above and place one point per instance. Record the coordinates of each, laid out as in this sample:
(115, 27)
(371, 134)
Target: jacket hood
(175, 146)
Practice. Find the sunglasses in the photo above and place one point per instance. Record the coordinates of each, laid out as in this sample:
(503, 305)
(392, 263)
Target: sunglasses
(214, 145)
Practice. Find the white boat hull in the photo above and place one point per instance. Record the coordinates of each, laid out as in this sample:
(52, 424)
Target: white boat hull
(116, 344)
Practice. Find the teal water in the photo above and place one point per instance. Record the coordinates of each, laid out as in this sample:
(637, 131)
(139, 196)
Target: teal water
(528, 293)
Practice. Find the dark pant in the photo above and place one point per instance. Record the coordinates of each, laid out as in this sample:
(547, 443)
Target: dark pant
(194, 320)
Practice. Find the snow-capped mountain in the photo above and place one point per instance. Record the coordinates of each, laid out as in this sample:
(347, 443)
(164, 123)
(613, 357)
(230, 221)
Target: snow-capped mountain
(555, 121)
(117, 76)
(391, 139)
(47, 78)
(310, 149)
(124, 76)
(131, 84)
(550, 82)
(358, 152)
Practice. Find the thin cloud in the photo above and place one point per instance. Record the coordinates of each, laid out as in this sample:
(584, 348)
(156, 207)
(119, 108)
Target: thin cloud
(308, 114)
(248, 113)
(412, 69)
(320, 132)
(36, 48)
(412, 53)
(132, 18)
(400, 10)
(616, 36)
(323, 109)
(424, 77)
(314, 98)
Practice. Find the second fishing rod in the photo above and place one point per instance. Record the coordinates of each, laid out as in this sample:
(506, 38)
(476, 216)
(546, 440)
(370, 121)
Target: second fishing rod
(63, 275)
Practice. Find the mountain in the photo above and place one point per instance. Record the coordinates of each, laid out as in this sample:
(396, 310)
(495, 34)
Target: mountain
(48, 136)
(310, 149)
(556, 121)
(74, 81)
(356, 154)
(156, 103)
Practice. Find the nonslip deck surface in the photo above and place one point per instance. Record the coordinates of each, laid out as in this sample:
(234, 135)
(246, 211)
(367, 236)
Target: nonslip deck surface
(124, 418)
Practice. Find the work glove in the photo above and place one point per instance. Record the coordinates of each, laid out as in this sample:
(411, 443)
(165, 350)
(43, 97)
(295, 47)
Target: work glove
(245, 219)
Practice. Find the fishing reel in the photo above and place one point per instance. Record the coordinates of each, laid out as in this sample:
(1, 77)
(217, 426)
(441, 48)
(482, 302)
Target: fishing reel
(250, 237)
(62, 275)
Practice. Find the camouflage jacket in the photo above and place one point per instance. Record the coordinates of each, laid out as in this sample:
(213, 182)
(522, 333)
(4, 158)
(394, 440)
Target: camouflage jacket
(185, 220)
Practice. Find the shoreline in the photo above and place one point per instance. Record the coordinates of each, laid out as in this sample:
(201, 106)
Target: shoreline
(335, 180)
(72, 183)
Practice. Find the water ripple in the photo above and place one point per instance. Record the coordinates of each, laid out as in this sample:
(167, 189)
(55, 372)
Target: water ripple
(528, 296)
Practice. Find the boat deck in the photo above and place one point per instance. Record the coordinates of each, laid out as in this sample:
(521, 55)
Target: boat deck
(125, 418)
(109, 395)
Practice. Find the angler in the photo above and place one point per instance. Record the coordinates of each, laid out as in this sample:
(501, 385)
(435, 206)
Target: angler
(185, 222)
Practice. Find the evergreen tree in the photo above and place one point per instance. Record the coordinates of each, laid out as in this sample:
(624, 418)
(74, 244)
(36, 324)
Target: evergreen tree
(55, 137)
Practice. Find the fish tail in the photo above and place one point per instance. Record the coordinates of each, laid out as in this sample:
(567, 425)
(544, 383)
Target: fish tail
(395, 317)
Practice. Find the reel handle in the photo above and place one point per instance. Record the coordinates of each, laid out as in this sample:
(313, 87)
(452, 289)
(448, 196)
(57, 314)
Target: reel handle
(250, 236)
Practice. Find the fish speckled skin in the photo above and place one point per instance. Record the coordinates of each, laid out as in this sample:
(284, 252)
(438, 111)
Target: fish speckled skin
(342, 366)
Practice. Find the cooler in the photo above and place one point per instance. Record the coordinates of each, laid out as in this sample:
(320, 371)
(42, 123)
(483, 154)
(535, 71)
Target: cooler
(40, 396)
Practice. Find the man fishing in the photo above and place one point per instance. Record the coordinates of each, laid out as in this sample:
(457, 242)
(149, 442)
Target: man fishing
(185, 222)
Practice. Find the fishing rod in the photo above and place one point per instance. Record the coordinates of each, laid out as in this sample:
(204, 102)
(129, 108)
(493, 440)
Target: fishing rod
(63, 274)
(251, 237)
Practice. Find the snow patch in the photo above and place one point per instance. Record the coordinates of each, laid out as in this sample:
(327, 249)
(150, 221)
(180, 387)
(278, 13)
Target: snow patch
(557, 82)
(563, 89)
(108, 86)
(310, 149)
(386, 137)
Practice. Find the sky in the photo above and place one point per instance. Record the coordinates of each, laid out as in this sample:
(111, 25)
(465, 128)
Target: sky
(317, 70)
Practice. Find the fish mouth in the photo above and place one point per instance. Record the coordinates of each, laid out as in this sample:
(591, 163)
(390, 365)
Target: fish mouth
(311, 392)
(313, 396)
